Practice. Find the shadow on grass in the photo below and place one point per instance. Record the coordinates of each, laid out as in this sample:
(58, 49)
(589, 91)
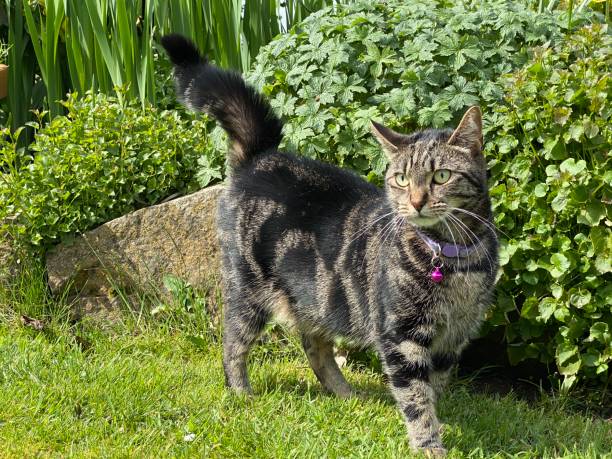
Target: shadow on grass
(477, 424)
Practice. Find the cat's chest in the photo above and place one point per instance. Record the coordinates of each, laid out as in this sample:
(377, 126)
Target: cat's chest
(460, 291)
(459, 305)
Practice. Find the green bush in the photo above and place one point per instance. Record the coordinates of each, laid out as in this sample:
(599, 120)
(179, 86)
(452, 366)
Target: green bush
(106, 157)
(413, 64)
(549, 144)
(409, 64)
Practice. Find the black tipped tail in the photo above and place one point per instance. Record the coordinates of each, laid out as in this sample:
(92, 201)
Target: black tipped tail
(181, 51)
(252, 126)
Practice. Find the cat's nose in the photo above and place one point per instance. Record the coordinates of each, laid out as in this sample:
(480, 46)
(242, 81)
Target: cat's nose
(418, 202)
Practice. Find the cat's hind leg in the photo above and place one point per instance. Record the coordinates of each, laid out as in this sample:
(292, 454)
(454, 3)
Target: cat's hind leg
(243, 322)
(443, 363)
(320, 354)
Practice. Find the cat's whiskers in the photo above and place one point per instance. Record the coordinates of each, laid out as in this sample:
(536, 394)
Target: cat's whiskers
(466, 281)
(362, 231)
(386, 231)
(464, 229)
(376, 236)
(380, 237)
(468, 230)
(397, 219)
(487, 223)
(398, 226)
(455, 243)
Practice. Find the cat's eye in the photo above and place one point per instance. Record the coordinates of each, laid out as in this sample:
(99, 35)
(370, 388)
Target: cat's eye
(441, 176)
(401, 179)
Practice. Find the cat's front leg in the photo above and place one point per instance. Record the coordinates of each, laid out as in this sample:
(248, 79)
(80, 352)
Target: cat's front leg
(409, 367)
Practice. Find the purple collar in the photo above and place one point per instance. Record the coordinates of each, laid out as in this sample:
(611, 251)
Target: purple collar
(445, 248)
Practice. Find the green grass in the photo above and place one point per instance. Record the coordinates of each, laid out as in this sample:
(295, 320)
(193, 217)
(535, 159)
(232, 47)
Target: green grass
(140, 391)
(153, 387)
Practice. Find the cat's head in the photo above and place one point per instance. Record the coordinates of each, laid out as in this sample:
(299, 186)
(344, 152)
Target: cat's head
(434, 171)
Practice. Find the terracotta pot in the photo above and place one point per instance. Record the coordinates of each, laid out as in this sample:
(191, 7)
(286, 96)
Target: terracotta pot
(4, 73)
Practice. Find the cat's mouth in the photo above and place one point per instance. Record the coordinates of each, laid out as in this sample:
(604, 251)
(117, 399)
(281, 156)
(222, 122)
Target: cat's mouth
(425, 218)
(423, 221)
(418, 219)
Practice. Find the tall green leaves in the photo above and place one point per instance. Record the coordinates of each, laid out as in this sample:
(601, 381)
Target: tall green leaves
(45, 40)
(107, 44)
(225, 27)
(257, 24)
(182, 16)
(104, 44)
(22, 66)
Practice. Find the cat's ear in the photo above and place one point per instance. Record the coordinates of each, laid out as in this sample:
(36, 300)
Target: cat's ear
(469, 132)
(388, 138)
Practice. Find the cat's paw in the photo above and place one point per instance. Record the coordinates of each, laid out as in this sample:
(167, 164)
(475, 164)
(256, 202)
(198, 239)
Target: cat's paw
(242, 391)
(434, 452)
(431, 449)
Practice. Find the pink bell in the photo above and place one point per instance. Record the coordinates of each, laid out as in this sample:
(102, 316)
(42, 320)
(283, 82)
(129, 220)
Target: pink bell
(436, 275)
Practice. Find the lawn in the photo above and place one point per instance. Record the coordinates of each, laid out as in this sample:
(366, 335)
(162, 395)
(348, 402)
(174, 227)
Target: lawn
(134, 390)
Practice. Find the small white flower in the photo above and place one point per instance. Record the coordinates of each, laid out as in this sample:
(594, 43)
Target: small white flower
(189, 437)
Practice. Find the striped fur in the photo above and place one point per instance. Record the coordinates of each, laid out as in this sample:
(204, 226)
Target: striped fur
(335, 256)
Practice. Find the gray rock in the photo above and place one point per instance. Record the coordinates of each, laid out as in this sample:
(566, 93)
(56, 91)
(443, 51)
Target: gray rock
(134, 253)
(9, 257)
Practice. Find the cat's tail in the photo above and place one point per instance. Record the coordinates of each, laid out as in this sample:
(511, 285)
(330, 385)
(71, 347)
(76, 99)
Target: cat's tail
(252, 126)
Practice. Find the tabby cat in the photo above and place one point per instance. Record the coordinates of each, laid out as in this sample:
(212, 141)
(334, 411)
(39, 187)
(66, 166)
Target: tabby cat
(408, 269)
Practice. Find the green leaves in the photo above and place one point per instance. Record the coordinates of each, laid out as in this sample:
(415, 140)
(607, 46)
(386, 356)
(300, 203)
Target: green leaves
(546, 308)
(460, 49)
(209, 170)
(600, 331)
(540, 190)
(559, 158)
(592, 214)
(560, 265)
(100, 44)
(418, 65)
(436, 116)
(579, 297)
(568, 361)
(571, 167)
(105, 158)
(45, 41)
(520, 168)
(379, 58)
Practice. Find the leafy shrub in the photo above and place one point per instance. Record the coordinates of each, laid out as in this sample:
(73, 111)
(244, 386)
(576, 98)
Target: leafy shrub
(549, 145)
(410, 64)
(419, 63)
(106, 157)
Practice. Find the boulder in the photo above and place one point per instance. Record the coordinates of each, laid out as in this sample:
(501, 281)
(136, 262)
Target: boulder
(9, 257)
(7, 264)
(133, 254)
